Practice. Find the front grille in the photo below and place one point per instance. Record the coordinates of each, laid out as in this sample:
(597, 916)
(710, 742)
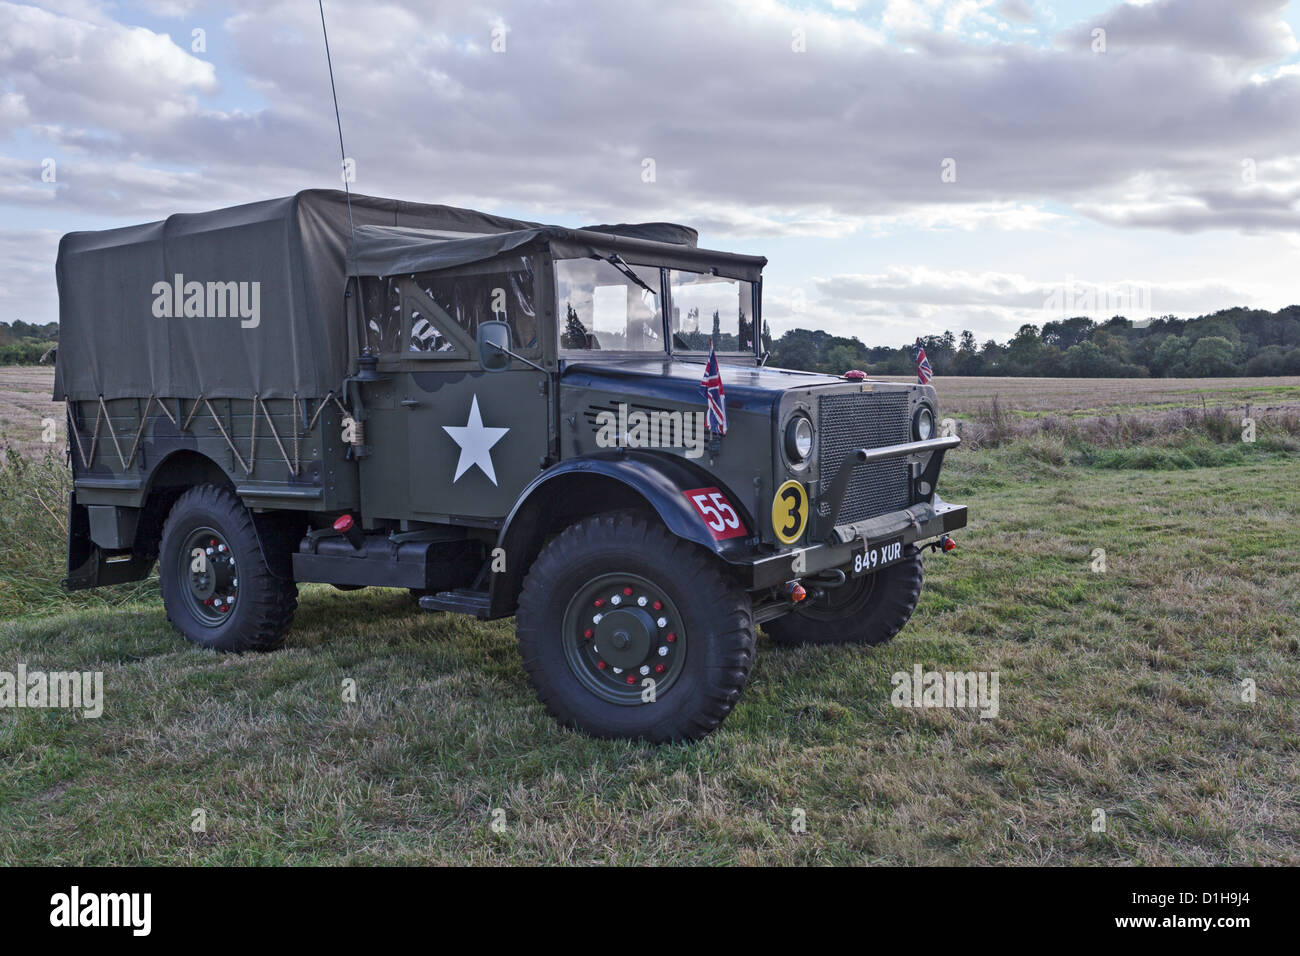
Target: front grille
(864, 420)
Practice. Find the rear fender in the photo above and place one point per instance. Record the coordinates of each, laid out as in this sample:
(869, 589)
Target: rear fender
(89, 566)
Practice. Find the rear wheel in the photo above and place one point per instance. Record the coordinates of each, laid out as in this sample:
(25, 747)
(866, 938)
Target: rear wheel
(217, 588)
(628, 631)
(867, 610)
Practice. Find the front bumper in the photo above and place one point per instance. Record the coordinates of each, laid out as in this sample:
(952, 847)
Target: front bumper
(917, 523)
(838, 542)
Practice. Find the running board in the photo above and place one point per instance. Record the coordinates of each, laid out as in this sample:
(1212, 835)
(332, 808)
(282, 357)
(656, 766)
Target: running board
(461, 601)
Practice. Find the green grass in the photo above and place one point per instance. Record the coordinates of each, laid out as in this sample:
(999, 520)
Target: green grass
(1119, 690)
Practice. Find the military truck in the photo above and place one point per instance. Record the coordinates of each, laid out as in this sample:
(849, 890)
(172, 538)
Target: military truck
(499, 416)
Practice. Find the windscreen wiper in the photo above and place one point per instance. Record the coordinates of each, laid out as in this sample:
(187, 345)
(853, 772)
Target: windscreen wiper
(617, 262)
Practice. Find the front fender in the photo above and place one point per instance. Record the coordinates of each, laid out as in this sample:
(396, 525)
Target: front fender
(562, 494)
(662, 481)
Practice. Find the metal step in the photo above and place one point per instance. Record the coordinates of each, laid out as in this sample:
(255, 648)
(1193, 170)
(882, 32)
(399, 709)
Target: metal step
(460, 601)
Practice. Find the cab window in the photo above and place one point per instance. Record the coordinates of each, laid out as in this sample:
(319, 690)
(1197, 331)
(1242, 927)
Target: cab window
(711, 310)
(381, 315)
(607, 304)
(503, 289)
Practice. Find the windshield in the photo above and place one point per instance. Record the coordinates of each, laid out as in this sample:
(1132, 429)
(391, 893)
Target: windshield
(604, 307)
(711, 307)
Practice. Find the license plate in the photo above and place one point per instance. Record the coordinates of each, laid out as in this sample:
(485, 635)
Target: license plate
(876, 556)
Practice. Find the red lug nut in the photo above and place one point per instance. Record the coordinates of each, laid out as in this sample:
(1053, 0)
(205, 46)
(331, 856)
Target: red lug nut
(599, 602)
(601, 665)
(631, 678)
(587, 634)
(671, 638)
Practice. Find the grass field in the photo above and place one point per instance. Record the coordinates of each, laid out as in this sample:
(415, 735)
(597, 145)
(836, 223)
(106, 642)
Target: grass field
(24, 406)
(1121, 689)
(1108, 396)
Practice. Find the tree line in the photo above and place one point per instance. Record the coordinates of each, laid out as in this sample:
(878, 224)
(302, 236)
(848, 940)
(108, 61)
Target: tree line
(1231, 342)
(23, 343)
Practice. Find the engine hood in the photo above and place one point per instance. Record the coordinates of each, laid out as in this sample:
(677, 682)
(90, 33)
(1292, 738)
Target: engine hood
(672, 379)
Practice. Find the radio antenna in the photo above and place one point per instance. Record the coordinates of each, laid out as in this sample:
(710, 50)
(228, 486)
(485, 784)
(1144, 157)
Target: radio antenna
(343, 156)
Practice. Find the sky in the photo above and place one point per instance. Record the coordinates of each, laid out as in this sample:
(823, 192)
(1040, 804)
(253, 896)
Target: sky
(907, 166)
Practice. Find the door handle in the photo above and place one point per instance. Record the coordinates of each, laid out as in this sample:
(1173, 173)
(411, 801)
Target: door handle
(410, 403)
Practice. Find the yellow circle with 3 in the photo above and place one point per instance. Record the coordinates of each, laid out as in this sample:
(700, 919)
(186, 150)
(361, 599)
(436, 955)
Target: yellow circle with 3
(790, 512)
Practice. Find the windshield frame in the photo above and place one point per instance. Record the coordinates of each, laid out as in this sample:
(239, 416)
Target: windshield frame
(571, 354)
(666, 304)
(755, 288)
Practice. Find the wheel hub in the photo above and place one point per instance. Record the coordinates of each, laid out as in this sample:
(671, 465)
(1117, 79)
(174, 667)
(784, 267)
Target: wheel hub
(210, 575)
(622, 634)
(623, 637)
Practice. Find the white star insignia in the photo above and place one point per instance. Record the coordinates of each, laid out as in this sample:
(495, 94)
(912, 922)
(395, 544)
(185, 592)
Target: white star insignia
(475, 441)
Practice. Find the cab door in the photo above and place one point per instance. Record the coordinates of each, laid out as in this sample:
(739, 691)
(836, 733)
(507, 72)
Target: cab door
(450, 440)
(475, 439)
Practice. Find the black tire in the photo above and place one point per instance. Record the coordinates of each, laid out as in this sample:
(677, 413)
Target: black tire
(707, 667)
(868, 610)
(260, 607)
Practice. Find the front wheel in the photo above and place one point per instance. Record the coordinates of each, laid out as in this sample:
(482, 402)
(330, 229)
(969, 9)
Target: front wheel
(866, 610)
(628, 631)
(216, 586)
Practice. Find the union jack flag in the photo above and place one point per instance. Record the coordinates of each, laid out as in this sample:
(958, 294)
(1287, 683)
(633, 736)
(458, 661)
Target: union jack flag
(711, 389)
(923, 371)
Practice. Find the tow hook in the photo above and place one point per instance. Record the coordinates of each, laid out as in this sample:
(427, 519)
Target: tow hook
(944, 544)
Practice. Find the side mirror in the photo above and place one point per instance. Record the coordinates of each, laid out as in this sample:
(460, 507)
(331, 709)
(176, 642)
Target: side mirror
(494, 346)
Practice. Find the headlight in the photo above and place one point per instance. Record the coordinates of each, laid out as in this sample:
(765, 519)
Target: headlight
(799, 439)
(923, 423)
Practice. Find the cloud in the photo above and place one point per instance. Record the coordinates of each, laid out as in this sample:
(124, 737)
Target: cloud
(921, 286)
(13, 112)
(902, 301)
(78, 72)
(750, 139)
(94, 187)
(1018, 11)
(173, 8)
(908, 15)
(27, 289)
(747, 136)
(1246, 31)
(1245, 195)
